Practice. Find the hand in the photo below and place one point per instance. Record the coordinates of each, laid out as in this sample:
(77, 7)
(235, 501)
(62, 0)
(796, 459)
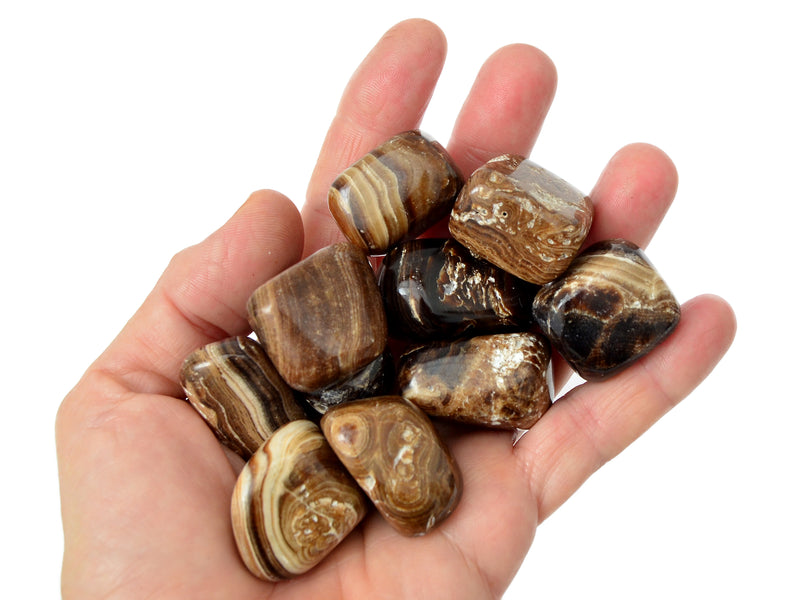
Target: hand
(145, 485)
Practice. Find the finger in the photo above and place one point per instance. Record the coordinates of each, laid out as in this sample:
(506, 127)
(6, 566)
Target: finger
(505, 108)
(503, 112)
(630, 199)
(202, 295)
(596, 421)
(633, 194)
(387, 94)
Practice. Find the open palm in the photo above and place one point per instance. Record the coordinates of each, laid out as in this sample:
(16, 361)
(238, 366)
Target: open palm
(145, 485)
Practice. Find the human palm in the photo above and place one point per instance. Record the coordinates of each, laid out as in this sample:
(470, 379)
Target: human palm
(145, 485)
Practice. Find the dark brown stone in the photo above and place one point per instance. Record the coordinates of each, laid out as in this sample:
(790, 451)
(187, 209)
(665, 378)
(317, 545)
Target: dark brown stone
(376, 379)
(608, 309)
(435, 289)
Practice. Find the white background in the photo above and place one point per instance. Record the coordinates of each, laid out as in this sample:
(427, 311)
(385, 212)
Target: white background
(130, 130)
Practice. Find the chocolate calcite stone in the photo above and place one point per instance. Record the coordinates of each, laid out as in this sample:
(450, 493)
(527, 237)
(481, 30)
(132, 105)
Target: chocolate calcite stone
(522, 218)
(501, 380)
(393, 451)
(322, 319)
(235, 388)
(395, 192)
(608, 309)
(436, 289)
(376, 379)
(293, 503)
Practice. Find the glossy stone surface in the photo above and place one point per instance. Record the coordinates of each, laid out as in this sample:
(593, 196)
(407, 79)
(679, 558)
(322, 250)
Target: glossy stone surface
(322, 319)
(522, 218)
(293, 503)
(610, 308)
(235, 388)
(376, 379)
(395, 192)
(395, 454)
(501, 380)
(436, 289)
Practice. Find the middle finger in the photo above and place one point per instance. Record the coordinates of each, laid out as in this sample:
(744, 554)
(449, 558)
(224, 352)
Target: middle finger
(387, 94)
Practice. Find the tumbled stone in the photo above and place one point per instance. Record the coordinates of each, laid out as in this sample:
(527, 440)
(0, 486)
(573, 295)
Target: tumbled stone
(293, 503)
(395, 192)
(322, 319)
(501, 380)
(237, 391)
(376, 379)
(393, 451)
(436, 289)
(608, 309)
(522, 218)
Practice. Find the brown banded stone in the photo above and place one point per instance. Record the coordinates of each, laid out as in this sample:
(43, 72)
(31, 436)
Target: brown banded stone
(522, 218)
(393, 451)
(501, 380)
(608, 309)
(435, 289)
(395, 192)
(322, 319)
(237, 391)
(293, 503)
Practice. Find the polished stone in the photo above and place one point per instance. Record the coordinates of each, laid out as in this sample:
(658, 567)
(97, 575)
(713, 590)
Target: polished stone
(322, 319)
(436, 289)
(395, 192)
(376, 379)
(293, 503)
(608, 309)
(393, 451)
(235, 388)
(501, 380)
(522, 218)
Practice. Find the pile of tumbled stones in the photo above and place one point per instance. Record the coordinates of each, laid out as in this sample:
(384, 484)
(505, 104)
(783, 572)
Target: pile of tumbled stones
(333, 406)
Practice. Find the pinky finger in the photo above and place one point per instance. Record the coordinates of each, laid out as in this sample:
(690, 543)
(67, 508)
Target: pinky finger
(596, 421)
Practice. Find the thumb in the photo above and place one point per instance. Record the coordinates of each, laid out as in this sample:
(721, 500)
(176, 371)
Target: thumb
(202, 295)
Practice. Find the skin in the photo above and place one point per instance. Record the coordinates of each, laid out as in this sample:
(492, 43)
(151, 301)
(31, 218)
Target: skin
(145, 486)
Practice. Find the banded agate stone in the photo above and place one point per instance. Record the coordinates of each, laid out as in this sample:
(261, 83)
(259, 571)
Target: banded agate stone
(522, 218)
(293, 503)
(501, 380)
(393, 451)
(610, 308)
(322, 319)
(237, 391)
(436, 289)
(376, 379)
(395, 192)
